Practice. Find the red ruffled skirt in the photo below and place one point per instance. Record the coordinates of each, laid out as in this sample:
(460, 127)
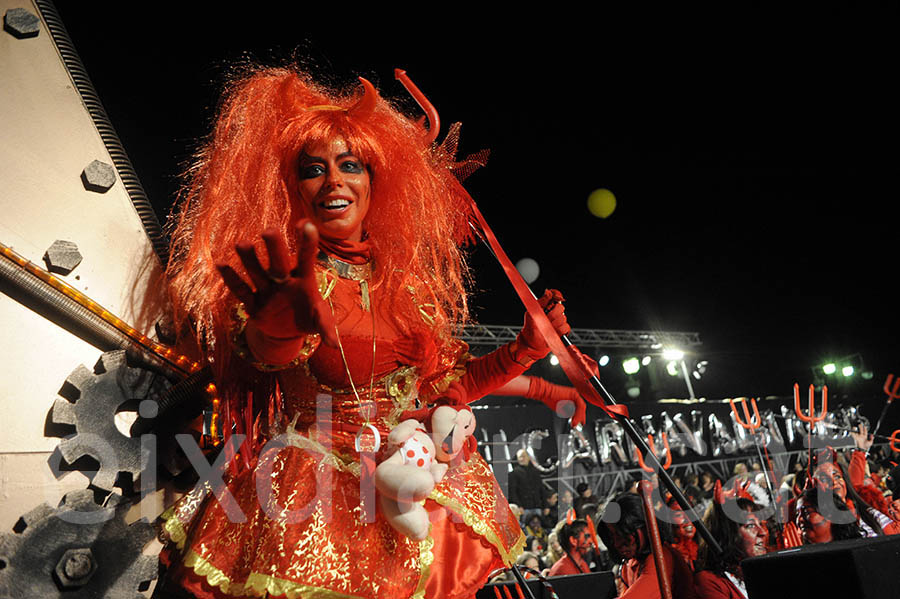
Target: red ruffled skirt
(295, 526)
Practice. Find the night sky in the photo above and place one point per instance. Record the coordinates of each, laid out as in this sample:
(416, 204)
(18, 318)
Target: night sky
(752, 156)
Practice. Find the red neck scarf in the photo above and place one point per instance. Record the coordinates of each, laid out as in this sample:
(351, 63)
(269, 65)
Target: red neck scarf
(354, 252)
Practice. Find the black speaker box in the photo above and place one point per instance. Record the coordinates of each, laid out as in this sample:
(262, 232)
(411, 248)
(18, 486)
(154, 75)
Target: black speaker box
(857, 569)
(596, 585)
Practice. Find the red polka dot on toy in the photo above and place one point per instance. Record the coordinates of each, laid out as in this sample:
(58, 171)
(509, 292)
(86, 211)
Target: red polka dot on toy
(415, 452)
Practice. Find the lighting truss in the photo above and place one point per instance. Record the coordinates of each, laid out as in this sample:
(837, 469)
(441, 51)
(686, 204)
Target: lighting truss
(496, 335)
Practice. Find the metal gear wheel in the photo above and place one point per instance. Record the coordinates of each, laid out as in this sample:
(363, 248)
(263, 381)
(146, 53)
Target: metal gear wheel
(97, 397)
(79, 550)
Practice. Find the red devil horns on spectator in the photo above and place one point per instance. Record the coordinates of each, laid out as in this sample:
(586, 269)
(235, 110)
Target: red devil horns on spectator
(738, 490)
(365, 105)
(826, 454)
(570, 515)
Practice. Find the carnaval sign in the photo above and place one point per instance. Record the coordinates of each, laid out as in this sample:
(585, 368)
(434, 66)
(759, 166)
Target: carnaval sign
(689, 435)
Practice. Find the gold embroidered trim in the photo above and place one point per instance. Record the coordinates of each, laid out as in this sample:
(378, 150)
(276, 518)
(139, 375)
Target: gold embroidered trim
(174, 528)
(426, 558)
(330, 458)
(481, 528)
(257, 583)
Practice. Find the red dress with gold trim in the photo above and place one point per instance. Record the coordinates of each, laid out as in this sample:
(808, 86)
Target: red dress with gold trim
(301, 530)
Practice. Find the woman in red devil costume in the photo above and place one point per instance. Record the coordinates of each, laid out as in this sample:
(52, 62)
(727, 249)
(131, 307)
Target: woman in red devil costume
(316, 257)
(739, 531)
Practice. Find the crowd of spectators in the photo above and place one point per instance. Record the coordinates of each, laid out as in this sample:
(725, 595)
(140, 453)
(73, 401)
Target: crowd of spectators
(847, 494)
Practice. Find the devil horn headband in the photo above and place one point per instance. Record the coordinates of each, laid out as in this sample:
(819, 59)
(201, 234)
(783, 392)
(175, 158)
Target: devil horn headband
(738, 490)
(363, 107)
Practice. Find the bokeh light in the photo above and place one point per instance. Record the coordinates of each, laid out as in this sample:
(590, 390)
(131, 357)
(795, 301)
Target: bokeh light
(631, 365)
(601, 202)
(529, 269)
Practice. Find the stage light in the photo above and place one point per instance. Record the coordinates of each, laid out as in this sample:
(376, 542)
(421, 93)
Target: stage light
(700, 369)
(673, 354)
(631, 365)
(554, 361)
(645, 361)
(672, 368)
(829, 368)
(847, 370)
(867, 375)
(604, 360)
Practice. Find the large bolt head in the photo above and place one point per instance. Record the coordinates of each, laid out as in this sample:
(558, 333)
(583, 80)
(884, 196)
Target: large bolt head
(98, 176)
(62, 257)
(21, 23)
(75, 568)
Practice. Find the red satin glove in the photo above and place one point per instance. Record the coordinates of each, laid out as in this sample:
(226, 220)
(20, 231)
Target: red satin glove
(531, 343)
(283, 302)
(553, 396)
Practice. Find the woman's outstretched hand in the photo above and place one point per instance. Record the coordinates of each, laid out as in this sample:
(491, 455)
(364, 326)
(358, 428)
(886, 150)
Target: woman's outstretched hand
(283, 301)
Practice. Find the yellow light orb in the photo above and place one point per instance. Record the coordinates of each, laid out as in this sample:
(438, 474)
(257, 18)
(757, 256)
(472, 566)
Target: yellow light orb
(601, 203)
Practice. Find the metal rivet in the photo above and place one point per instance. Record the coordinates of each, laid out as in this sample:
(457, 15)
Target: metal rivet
(75, 567)
(21, 24)
(98, 176)
(62, 257)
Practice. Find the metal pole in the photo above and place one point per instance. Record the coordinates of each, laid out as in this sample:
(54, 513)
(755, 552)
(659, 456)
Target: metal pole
(687, 379)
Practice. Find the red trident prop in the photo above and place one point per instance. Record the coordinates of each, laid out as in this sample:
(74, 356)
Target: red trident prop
(640, 458)
(895, 441)
(752, 425)
(811, 418)
(892, 394)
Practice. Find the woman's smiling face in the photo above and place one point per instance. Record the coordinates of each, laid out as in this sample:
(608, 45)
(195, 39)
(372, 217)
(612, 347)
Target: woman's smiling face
(335, 189)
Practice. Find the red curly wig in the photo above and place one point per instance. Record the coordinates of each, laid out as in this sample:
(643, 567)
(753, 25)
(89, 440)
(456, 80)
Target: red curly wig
(245, 180)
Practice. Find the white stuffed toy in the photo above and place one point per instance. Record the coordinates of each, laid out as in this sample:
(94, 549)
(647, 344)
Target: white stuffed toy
(419, 461)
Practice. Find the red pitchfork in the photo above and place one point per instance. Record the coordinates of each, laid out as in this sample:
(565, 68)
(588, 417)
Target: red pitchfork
(892, 394)
(640, 458)
(811, 418)
(895, 441)
(752, 425)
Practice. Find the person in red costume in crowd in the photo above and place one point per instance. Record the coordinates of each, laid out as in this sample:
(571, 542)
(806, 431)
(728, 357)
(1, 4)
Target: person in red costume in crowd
(575, 539)
(683, 534)
(829, 474)
(316, 267)
(733, 523)
(821, 524)
(624, 532)
(865, 486)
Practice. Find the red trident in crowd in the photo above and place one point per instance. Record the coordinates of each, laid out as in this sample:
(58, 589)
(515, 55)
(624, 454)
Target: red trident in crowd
(752, 424)
(640, 458)
(811, 418)
(892, 394)
(895, 441)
